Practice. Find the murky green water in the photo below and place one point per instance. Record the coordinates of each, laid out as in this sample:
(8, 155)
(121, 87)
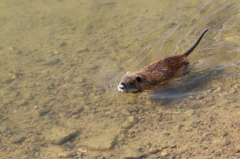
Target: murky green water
(61, 61)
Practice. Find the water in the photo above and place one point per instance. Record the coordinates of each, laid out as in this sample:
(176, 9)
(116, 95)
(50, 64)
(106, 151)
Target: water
(94, 44)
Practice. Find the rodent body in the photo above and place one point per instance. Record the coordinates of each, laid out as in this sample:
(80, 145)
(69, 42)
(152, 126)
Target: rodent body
(156, 73)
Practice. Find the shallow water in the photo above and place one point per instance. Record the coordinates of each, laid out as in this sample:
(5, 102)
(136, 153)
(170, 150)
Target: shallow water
(61, 62)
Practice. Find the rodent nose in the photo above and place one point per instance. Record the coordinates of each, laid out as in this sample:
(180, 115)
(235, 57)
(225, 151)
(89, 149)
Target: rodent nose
(121, 87)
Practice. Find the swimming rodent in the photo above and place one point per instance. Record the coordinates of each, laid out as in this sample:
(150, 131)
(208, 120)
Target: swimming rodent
(156, 73)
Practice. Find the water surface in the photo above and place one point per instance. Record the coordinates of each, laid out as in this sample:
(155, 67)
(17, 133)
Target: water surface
(61, 62)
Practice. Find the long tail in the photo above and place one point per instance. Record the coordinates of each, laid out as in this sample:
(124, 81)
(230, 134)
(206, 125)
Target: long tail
(195, 44)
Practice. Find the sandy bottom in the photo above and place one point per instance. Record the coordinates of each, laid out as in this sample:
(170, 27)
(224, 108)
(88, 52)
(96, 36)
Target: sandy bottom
(61, 61)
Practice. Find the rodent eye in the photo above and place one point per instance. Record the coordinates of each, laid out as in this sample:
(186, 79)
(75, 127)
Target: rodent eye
(139, 79)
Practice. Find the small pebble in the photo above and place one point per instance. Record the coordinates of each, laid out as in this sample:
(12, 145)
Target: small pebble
(164, 153)
(82, 150)
(173, 146)
(125, 112)
(225, 142)
(204, 148)
(223, 133)
(205, 134)
(200, 97)
(10, 48)
(126, 125)
(78, 79)
(166, 133)
(83, 50)
(16, 138)
(55, 52)
(97, 155)
(43, 111)
(63, 44)
(52, 61)
(164, 146)
(194, 125)
(75, 116)
(121, 137)
(237, 86)
(153, 150)
(133, 119)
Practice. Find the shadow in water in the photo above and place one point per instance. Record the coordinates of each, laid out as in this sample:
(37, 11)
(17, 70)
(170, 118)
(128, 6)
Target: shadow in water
(191, 84)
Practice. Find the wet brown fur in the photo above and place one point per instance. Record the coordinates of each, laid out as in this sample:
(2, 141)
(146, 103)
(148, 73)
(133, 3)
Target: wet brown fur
(157, 73)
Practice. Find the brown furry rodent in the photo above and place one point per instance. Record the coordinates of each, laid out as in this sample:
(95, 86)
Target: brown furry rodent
(157, 73)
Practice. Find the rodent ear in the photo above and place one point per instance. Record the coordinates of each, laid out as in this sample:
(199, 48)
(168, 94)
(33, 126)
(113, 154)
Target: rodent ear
(139, 79)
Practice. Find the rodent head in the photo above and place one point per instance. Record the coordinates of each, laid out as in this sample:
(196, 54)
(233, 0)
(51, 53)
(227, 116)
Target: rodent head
(131, 82)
